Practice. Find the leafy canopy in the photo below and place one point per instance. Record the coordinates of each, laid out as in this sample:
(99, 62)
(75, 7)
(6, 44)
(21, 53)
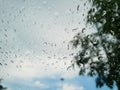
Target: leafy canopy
(1, 86)
(99, 53)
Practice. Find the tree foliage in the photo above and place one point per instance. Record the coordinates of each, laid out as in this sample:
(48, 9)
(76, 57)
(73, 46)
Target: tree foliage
(1, 86)
(99, 53)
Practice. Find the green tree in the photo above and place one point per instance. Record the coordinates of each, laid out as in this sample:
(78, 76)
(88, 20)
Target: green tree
(99, 53)
(1, 86)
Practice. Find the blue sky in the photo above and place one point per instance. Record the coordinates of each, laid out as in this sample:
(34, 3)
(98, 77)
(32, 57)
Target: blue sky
(34, 40)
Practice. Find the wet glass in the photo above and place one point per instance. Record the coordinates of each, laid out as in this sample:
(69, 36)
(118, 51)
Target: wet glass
(36, 51)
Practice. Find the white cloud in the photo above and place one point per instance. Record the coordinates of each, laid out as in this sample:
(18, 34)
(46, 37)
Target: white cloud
(35, 68)
(71, 87)
(39, 84)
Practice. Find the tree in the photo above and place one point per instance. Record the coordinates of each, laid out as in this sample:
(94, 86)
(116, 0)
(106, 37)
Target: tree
(99, 53)
(1, 86)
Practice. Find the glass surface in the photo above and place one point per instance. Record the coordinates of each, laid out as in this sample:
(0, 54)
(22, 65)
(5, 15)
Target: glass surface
(35, 49)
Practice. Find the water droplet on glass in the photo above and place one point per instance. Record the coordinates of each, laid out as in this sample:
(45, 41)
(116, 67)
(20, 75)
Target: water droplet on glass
(113, 19)
(44, 2)
(100, 58)
(104, 12)
(56, 14)
(78, 7)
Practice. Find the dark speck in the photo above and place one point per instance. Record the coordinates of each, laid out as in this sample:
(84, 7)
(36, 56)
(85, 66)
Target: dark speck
(78, 7)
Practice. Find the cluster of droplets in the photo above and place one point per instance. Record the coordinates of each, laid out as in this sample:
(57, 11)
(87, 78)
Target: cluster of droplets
(16, 47)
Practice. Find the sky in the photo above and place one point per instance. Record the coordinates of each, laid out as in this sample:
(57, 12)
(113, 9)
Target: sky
(35, 50)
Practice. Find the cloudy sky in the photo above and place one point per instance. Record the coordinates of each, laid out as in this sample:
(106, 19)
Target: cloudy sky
(34, 44)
